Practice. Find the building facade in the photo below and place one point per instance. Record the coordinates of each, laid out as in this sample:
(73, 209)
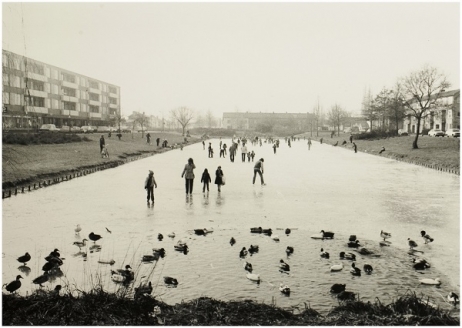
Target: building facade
(445, 115)
(251, 121)
(35, 93)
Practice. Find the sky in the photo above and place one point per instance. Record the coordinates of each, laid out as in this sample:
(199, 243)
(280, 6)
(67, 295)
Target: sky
(227, 57)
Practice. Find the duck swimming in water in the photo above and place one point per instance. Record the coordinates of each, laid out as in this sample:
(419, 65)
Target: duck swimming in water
(121, 275)
(24, 259)
(347, 256)
(327, 234)
(368, 268)
(143, 290)
(428, 281)
(181, 247)
(94, 237)
(14, 285)
(253, 277)
(243, 252)
(284, 289)
(171, 235)
(354, 270)
(248, 267)
(80, 244)
(385, 235)
(289, 250)
(420, 264)
(352, 238)
(253, 249)
(232, 241)
(55, 253)
(354, 244)
(324, 254)
(287, 231)
(160, 237)
(337, 288)
(412, 244)
(336, 267)
(170, 281)
(453, 298)
(77, 229)
(284, 266)
(427, 239)
(346, 296)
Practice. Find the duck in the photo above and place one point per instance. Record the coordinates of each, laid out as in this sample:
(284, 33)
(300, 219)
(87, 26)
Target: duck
(253, 277)
(367, 268)
(24, 259)
(48, 266)
(256, 230)
(77, 229)
(352, 238)
(56, 290)
(327, 234)
(384, 243)
(200, 232)
(337, 288)
(336, 267)
(268, 232)
(324, 254)
(94, 237)
(55, 253)
(347, 256)
(160, 237)
(182, 247)
(382, 150)
(427, 239)
(453, 298)
(289, 250)
(412, 244)
(354, 270)
(275, 238)
(54, 259)
(287, 231)
(365, 251)
(171, 235)
(41, 279)
(420, 264)
(122, 275)
(346, 296)
(243, 252)
(428, 281)
(104, 261)
(253, 249)
(232, 241)
(14, 285)
(354, 244)
(150, 258)
(159, 251)
(248, 267)
(284, 289)
(80, 244)
(170, 281)
(143, 290)
(284, 266)
(385, 235)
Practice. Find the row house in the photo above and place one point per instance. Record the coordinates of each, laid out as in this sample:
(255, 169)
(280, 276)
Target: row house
(445, 115)
(36, 93)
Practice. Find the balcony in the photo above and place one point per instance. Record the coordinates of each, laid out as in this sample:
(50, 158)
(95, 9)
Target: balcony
(93, 90)
(37, 77)
(69, 112)
(35, 110)
(37, 93)
(70, 85)
(94, 103)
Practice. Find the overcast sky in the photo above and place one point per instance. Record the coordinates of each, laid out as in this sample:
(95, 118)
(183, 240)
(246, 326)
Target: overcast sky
(222, 57)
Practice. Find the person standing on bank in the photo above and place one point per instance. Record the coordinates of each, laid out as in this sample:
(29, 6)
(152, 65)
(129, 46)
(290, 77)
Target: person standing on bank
(309, 143)
(354, 147)
(206, 180)
(219, 178)
(102, 143)
(258, 168)
(149, 185)
(188, 174)
(244, 151)
(351, 138)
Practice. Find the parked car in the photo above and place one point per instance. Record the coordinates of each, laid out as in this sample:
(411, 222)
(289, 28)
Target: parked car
(87, 129)
(76, 129)
(103, 129)
(64, 128)
(435, 133)
(452, 133)
(95, 128)
(401, 132)
(49, 127)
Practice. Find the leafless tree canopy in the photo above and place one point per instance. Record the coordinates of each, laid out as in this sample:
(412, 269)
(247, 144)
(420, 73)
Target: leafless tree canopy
(183, 116)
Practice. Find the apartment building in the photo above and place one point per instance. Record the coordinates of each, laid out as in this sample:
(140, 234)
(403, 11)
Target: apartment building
(445, 115)
(36, 93)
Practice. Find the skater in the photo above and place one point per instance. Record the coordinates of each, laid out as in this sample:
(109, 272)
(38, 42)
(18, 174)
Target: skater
(203, 144)
(274, 148)
(188, 174)
(320, 140)
(309, 143)
(244, 151)
(224, 149)
(206, 180)
(219, 178)
(222, 152)
(210, 150)
(157, 141)
(351, 138)
(258, 168)
(354, 147)
(252, 154)
(248, 156)
(149, 185)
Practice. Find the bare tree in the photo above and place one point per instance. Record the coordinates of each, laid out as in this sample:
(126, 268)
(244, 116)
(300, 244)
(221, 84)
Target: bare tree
(368, 108)
(183, 116)
(142, 120)
(210, 119)
(422, 89)
(317, 114)
(336, 116)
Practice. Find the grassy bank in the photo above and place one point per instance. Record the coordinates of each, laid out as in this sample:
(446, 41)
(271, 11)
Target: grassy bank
(100, 308)
(23, 164)
(432, 152)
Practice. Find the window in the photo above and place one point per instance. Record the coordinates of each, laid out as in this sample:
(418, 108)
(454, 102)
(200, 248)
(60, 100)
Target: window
(35, 68)
(6, 98)
(94, 109)
(113, 100)
(35, 85)
(112, 90)
(93, 96)
(68, 92)
(69, 105)
(34, 101)
(112, 111)
(93, 84)
(437, 126)
(68, 77)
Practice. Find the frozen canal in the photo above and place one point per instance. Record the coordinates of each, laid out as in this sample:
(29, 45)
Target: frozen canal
(328, 188)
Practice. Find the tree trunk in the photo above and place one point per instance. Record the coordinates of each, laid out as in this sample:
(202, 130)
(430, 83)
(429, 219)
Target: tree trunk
(414, 143)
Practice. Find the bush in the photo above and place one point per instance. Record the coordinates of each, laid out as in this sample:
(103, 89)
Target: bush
(374, 135)
(19, 138)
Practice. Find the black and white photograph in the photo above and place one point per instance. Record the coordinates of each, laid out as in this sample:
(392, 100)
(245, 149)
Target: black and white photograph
(231, 163)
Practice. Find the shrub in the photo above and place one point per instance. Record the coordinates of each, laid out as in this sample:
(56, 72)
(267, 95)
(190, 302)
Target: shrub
(374, 135)
(20, 138)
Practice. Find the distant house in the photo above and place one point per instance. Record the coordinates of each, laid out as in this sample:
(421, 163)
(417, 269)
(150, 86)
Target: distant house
(250, 121)
(445, 115)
